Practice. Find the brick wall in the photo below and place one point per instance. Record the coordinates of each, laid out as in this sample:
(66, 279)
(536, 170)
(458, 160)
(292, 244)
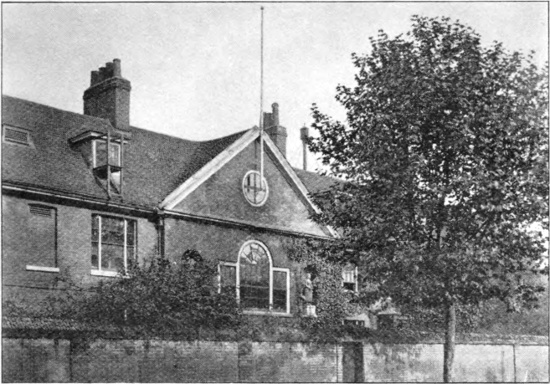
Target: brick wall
(73, 248)
(61, 360)
(223, 244)
(221, 196)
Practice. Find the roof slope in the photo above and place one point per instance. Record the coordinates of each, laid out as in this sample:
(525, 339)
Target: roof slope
(314, 181)
(154, 164)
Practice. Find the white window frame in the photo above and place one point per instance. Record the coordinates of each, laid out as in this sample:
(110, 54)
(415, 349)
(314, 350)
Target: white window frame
(355, 279)
(40, 268)
(264, 181)
(271, 270)
(287, 271)
(227, 264)
(101, 272)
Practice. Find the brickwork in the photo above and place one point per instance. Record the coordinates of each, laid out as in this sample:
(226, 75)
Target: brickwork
(35, 360)
(287, 362)
(73, 249)
(473, 363)
(283, 207)
(48, 360)
(18, 248)
(223, 244)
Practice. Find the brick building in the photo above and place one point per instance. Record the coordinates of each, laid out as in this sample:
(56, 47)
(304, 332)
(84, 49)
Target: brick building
(83, 194)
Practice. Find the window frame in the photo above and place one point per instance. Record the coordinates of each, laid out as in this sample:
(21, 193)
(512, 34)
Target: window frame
(106, 273)
(244, 185)
(27, 143)
(34, 210)
(272, 269)
(94, 153)
(355, 279)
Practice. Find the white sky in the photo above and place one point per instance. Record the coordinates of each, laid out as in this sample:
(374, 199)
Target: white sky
(195, 68)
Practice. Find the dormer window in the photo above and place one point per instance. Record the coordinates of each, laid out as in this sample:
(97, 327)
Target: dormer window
(110, 166)
(100, 154)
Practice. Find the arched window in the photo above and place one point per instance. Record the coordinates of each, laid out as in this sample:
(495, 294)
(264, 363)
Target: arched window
(259, 286)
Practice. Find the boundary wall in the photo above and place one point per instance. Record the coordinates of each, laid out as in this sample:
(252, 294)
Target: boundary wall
(108, 360)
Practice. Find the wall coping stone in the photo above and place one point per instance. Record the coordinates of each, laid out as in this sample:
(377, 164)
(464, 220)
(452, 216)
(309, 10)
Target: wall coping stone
(37, 327)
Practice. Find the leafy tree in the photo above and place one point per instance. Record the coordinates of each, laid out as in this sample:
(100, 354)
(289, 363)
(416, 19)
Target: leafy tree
(444, 152)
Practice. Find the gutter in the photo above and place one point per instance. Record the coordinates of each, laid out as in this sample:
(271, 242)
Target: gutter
(75, 198)
(242, 224)
(156, 212)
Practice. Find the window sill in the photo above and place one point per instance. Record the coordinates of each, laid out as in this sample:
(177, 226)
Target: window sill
(95, 272)
(267, 313)
(38, 268)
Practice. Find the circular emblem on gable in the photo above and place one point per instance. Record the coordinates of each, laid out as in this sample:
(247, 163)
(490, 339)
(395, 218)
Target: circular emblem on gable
(255, 191)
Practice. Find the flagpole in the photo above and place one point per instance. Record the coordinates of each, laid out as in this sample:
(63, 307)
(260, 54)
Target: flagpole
(262, 101)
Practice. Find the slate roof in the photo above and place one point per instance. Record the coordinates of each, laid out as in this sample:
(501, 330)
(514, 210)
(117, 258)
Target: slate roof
(154, 164)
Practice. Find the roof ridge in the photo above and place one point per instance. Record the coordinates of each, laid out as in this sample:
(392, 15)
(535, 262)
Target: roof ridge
(57, 109)
(200, 142)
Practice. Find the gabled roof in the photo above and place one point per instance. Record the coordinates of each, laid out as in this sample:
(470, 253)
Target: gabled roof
(154, 164)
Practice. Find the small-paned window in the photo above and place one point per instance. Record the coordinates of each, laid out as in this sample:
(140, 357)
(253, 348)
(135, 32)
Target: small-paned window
(254, 191)
(16, 135)
(360, 323)
(281, 282)
(254, 273)
(349, 278)
(41, 244)
(228, 278)
(100, 156)
(114, 244)
(258, 285)
(102, 169)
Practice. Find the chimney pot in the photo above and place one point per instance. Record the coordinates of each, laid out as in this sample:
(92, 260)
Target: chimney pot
(116, 68)
(275, 113)
(102, 73)
(95, 78)
(109, 69)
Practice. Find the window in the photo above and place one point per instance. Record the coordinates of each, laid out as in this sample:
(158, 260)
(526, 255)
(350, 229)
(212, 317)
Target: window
(258, 285)
(41, 244)
(100, 153)
(16, 135)
(113, 244)
(100, 165)
(349, 278)
(360, 323)
(255, 191)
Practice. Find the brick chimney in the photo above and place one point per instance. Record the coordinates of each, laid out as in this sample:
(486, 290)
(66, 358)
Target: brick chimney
(109, 95)
(276, 132)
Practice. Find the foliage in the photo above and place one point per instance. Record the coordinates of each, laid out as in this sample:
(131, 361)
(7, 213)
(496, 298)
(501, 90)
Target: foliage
(333, 303)
(445, 157)
(445, 150)
(160, 298)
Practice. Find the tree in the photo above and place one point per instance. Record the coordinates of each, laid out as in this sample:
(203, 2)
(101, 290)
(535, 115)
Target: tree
(444, 157)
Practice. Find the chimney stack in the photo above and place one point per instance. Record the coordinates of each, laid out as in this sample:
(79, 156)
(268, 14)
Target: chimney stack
(108, 96)
(304, 134)
(276, 132)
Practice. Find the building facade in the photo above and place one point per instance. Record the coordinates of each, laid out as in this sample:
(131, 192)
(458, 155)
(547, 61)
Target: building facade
(85, 194)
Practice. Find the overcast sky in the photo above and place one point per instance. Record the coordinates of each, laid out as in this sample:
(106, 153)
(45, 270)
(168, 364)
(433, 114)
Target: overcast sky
(195, 68)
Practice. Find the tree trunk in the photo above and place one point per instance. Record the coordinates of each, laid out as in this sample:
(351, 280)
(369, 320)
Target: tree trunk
(449, 347)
